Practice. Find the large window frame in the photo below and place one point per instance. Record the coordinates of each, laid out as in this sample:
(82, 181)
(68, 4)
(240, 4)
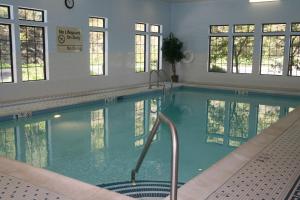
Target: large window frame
(11, 60)
(102, 29)
(294, 67)
(152, 60)
(35, 24)
(27, 41)
(249, 37)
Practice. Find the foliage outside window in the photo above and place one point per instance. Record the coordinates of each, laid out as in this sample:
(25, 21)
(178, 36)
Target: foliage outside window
(218, 54)
(36, 144)
(219, 29)
(97, 45)
(216, 117)
(272, 54)
(295, 27)
(4, 12)
(244, 28)
(269, 28)
(294, 58)
(243, 54)
(31, 15)
(6, 63)
(267, 115)
(32, 42)
(98, 130)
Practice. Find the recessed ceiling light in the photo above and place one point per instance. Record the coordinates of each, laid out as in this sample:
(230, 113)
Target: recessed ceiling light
(57, 116)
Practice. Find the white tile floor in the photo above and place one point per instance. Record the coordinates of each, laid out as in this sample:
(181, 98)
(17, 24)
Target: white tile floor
(16, 189)
(270, 175)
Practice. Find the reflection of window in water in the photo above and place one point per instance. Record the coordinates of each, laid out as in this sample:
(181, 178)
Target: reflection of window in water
(216, 117)
(239, 120)
(36, 144)
(153, 115)
(267, 115)
(235, 143)
(97, 132)
(7, 143)
(139, 142)
(139, 118)
(215, 139)
(291, 109)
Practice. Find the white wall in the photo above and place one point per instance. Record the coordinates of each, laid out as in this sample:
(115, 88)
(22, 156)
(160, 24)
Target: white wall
(69, 72)
(190, 22)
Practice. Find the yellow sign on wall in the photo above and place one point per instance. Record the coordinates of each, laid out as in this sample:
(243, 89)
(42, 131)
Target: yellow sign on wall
(69, 39)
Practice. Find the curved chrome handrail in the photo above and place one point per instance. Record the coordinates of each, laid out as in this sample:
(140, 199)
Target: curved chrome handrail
(158, 77)
(175, 149)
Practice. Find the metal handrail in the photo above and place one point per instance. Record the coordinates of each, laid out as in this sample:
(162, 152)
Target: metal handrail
(175, 149)
(158, 76)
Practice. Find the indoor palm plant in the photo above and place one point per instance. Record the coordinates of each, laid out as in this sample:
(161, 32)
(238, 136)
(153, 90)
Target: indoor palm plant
(172, 53)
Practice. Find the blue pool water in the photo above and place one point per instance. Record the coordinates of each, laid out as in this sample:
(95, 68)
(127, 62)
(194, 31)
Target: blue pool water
(100, 143)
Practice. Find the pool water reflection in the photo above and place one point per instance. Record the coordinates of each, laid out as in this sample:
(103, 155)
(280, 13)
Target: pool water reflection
(99, 143)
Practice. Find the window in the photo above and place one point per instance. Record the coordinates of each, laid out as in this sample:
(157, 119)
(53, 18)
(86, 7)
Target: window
(140, 48)
(218, 54)
(155, 42)
(272, 54)
(32, 40)
(219, 29)
(31, 15)
(243, 48)
(147, 47)
(32, 45)
(140, 54)
(294, 57)
(98, 33)
(295, 27)
(4, 12)
(6, 64)
(244, 28)
(243, 54)
(269, 28)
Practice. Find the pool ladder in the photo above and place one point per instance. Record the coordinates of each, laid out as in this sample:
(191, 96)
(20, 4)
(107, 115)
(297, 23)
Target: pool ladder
(158, 72)
(175, 149)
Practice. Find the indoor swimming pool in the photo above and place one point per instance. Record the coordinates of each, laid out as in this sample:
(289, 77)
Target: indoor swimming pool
(100, 142)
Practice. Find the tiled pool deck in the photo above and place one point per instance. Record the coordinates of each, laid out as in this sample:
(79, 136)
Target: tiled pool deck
(266, 167)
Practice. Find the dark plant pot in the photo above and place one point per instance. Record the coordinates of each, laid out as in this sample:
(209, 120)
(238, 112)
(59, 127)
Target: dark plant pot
(174, 78)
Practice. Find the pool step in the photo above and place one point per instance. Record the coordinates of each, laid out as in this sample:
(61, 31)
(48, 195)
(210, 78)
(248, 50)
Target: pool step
(143, 190)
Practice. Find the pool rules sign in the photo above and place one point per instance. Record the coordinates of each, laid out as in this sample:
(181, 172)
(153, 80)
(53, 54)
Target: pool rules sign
(69, 39)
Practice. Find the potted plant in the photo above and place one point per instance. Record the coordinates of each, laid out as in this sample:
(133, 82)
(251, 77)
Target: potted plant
(172, 53)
